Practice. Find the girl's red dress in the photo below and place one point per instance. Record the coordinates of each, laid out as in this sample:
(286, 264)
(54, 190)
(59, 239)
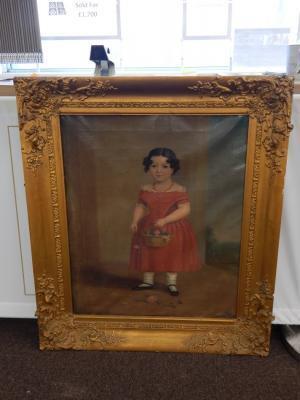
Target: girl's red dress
(181, 253)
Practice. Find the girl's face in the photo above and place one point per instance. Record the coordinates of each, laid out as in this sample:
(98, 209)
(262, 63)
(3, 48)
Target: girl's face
(160, 170)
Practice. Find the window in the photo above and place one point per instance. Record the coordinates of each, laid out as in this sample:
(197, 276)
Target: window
(169, 35)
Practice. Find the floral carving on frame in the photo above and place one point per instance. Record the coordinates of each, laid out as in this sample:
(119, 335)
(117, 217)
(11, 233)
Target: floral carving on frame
(34, 145)
(264, 105)
(272, 97)
(60, 330)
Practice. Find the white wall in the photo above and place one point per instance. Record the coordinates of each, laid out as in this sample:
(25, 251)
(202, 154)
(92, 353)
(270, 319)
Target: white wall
(16, 279)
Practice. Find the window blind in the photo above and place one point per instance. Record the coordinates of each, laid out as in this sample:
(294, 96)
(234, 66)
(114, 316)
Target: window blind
(20, 40)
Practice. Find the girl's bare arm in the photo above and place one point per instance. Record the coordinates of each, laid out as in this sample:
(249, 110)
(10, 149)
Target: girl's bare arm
(182, 211)
(138, 213)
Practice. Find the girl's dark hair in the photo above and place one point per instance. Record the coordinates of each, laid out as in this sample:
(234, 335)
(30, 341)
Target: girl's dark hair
(162, 151)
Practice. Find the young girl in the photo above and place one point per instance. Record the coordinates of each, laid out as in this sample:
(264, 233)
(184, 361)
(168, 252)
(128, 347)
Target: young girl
(162, 209)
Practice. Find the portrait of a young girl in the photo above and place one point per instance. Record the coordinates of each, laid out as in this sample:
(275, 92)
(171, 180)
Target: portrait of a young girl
(148, 206)
(161, 213)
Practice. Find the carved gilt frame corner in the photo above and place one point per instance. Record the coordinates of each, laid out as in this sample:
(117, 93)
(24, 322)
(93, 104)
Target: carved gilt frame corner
(267, 102)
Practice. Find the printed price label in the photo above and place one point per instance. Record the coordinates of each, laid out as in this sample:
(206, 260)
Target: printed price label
(79, 18)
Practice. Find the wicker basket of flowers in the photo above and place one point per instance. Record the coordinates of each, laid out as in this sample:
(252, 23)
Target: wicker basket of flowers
(155, 237)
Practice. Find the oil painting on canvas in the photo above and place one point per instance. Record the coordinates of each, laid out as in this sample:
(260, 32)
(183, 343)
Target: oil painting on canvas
(110, 186)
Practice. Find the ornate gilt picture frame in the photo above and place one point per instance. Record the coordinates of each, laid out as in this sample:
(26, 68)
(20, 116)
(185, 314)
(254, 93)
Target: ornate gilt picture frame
(85, 145)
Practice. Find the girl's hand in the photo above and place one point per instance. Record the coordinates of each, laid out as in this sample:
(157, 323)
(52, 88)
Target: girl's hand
(133, 227)
(160, 223)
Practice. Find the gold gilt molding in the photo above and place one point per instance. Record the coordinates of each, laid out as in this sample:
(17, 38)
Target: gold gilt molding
(249, 335)
(273, 144)
(273, 93)
(268, 100)
(251, 235)
(56, 218)
(59, 330)
(253, 332)
(33, 147)
(40, 98)
(272, 108)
